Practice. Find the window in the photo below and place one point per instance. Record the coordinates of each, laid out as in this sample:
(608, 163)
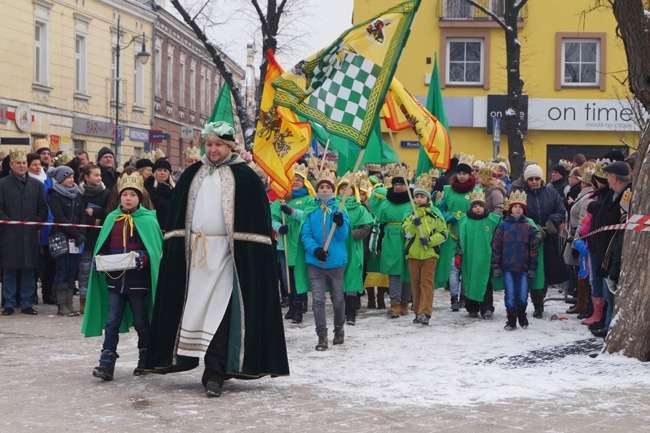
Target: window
(202, 90)
(158, 67)
(181, 81)
(208, 91)
(580, 58)
(138, 76)
(193, 85)
(465, 61)
(80, 59)
(170, 73)
(78, 146)
(40, 54)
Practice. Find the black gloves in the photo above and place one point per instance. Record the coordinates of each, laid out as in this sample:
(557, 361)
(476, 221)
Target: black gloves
(550, 228)
(283, 230)
(337, 218)
(417, 221)
(424, 242)
(286, 209)
(321, 254)
(79, 240)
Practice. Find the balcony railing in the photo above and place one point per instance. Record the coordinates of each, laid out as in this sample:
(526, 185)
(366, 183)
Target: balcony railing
(462, 10)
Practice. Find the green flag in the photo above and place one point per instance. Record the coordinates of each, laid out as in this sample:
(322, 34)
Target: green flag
(222, 109)
(435, 106)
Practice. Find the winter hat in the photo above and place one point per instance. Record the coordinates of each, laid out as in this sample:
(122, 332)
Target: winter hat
(614, 155)
(503, 166)
(144, 162)
(533, 170)
(103, 151)
(162, 163)
(560, 169)
(221, 129)
(618, 168)
(61, 172)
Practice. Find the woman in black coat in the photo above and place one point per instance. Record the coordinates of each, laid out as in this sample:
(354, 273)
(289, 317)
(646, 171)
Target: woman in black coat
(160, 187)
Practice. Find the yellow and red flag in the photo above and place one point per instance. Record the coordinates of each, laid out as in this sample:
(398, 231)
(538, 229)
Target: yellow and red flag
(280, 138)
(402, 111)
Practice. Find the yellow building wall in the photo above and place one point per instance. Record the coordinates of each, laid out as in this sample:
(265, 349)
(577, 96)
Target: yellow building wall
(538, 69)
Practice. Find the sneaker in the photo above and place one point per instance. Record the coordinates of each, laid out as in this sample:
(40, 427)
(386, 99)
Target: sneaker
(473, 314)
(508, 327)
(423, 319)
(8, 311)
(212, 389)
(488, 314)
(29, 310)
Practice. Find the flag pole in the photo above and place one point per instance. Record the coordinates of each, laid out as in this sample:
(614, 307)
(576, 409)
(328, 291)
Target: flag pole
(286, 254)
(408, 190)
(322, 163)
(345, 196)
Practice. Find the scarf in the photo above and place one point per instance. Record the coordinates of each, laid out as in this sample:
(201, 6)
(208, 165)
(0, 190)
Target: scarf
(297, 193)
(325, 197)
(91, 190)
(397, 197)
(234, 158)
(462, 188)
(41, 177)
(70, 193)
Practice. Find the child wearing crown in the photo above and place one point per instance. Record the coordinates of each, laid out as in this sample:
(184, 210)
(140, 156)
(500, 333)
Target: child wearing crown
(474, 251)
(424, 230)
(128, 228)
(514, 257)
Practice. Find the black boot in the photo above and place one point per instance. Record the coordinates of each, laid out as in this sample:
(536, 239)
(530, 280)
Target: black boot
(339, 334)
(297, 313)
(463, 301)
(322, 341)
(511, 324)
(106, 366)
(285, 302)
(350, 310)
(455, 306)
(142, 362)
(381, 293)
(539, 310)
(305, 307)
(290, 313)
(523, 320)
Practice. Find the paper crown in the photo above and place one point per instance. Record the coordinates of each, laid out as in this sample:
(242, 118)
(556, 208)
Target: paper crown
(148, 156)
(17, 155)
(192, 152)
(331, 166)
(626, 198)
(399, 170)
(566, 164)
(517, 197)
(325, 175)
(423, 182)
(40, 143)
(600, 164)
(439, 196)
(302, 170)
(133, 180)
(502, 158)
(466, 159)
(477, 195)
(157, 155)
(586, 171)
(435, 173)
(388, 181)
(373, 167)
(488, 171)
(62, 159)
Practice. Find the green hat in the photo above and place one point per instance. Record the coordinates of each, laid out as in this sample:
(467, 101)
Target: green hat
(221, 129)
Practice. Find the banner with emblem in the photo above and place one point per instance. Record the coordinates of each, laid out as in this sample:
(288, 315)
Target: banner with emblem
(343, 86)
(280, 138)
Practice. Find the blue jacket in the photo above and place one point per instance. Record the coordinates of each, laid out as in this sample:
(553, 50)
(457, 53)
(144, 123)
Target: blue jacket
(314, 232)
(514, 245)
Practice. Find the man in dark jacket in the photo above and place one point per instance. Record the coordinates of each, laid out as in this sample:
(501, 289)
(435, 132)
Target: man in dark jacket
(546, 209)
(21, 199)
(559, 179)
(106, 162)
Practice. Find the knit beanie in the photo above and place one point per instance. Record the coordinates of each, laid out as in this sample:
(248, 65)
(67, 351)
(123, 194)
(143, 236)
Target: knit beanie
(142, 163)
(103, 151)
(162, 163)
(61, 172)
(533, 170)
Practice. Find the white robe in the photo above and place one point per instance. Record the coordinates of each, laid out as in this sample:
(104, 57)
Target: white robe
(211, 270)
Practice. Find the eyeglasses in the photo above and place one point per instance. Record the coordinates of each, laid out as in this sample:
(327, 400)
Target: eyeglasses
(535, 179)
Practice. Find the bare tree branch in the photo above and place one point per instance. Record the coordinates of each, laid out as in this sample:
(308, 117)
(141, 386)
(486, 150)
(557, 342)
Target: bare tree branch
(489, 13)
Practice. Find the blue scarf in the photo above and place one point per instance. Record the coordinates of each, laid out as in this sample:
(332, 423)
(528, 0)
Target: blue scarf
(301, 192)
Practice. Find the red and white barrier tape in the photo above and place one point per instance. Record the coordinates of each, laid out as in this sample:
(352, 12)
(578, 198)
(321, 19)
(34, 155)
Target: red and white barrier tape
(33, 223)
(638, 223)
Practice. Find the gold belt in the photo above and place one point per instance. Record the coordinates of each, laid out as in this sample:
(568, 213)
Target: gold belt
(200, 237)
(394, 223)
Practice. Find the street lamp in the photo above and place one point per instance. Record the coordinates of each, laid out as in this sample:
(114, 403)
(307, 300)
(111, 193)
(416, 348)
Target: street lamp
(143, 58)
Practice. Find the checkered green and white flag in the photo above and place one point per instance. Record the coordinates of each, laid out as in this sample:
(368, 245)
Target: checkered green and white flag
(343, 86)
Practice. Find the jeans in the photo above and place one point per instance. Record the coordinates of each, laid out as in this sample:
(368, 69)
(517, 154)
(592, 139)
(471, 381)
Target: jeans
(318, 279)
(398, 291)
(65, 268)
(454, 280)
(515, 286)
(595, 260)
(27, 287)
(293, 296)
(137, 300)
(85, 263)
(609, 297)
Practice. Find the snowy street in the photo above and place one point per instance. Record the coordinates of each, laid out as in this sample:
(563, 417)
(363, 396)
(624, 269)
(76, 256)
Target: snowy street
(457, 375)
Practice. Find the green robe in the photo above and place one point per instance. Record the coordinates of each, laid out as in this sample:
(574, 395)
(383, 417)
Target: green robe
(358, 216)
(391, 260)
(452, 204)
(146, 224)
(476, 245)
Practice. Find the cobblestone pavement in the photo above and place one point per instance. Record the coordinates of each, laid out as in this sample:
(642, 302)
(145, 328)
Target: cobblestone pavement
(45, 369)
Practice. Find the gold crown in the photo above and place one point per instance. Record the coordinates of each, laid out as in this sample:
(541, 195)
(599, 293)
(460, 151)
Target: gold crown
(302, 170)
(488, 171)
(466, 159)
(192, 152)
(439, 196)
(566, 164)
(434, 173)
(157, 155)
(133, 180)
(626, 198)
(40, 143)
(399, 170)
(600, 164)
(17, 155)
(423, 182)
(588, 170)
(326, 175)
(62, 159)
(148, 156)
(388, 181)
(502, 158)
(373, 167)
(331, 166)
(517, 197)
(477, 195)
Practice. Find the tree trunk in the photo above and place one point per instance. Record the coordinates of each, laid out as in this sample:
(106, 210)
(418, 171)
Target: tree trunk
(629, 332)
(516, 151)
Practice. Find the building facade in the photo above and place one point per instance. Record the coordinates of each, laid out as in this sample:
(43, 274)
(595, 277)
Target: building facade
(59, 75)
(186, 86)
(572, 63)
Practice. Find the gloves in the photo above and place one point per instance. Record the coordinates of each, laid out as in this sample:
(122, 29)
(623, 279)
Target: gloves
(286, 209)
(417, 222)
(142, 260)
(592, 207)
(283, 230)
(531, 274)
(424, 242)
(497, 273)
(451, 220)
(321, 254)
(550, 228)
(337, 217)
(457, 261)
(79, 240)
